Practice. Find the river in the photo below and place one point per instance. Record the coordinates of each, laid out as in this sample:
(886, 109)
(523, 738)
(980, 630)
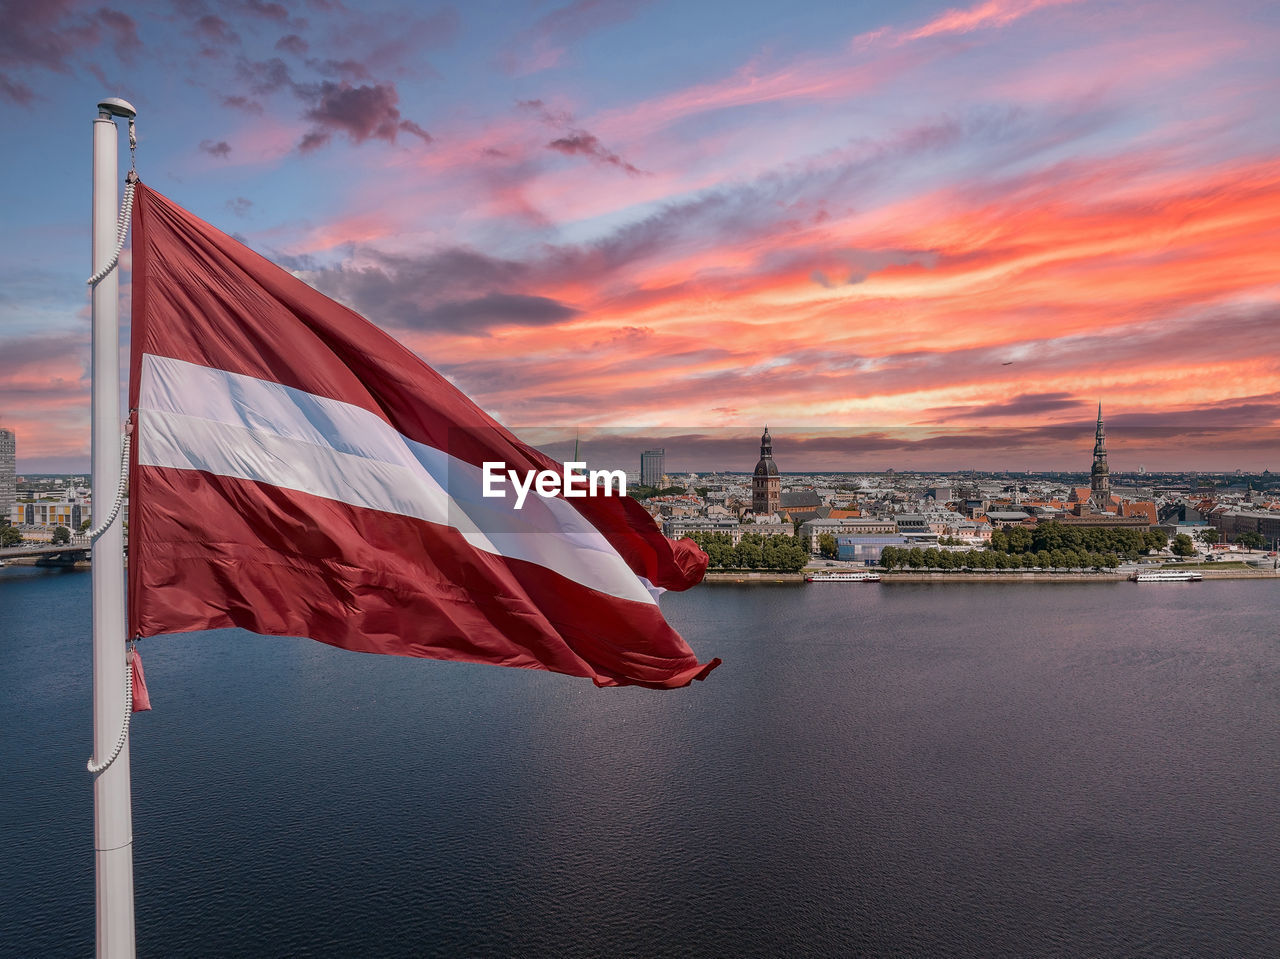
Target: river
(971, 769)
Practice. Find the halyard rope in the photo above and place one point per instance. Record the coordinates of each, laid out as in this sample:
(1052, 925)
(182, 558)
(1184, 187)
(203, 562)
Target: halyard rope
(122, 227)
(122, 488)
(121, 491)
(96, 768)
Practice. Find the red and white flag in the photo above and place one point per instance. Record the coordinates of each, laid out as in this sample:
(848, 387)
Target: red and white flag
(296, 471)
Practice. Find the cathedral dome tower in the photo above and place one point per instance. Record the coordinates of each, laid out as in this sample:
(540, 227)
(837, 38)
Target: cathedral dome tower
(766, 484)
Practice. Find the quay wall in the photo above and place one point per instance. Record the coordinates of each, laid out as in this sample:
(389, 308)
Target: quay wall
(1045, 577)
(917, 576)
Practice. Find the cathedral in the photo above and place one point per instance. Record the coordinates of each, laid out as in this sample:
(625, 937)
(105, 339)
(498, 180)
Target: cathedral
(766, 484)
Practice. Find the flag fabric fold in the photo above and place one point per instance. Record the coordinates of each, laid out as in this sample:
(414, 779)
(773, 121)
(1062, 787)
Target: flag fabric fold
(296, 471)
(138, 683)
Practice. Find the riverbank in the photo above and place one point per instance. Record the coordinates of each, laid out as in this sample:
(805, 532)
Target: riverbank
(35, 561)
(992, 576)
(1025, 576)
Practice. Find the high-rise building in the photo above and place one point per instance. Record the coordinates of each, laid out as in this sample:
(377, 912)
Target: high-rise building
(766, 484)
(8, 471)
(652, 467)
(1100, 477)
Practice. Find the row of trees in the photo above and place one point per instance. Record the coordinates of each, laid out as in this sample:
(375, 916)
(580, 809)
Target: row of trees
(1047, 537)
(9, 536)
(913, 557)
(784, 554)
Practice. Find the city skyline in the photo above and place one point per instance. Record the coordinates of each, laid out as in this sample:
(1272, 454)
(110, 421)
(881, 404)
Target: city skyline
(1059, 448)
(1050, 449)
(933, 233)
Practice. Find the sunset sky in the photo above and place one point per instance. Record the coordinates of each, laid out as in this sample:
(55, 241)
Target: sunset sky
(973, 221)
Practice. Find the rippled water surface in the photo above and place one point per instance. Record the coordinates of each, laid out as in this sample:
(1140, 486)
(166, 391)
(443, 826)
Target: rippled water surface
(895, 770)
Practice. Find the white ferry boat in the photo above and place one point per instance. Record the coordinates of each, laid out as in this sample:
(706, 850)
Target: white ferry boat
(1168, 576)
(842, 576)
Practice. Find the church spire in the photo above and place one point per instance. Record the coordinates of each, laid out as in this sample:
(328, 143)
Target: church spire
(1100, 474)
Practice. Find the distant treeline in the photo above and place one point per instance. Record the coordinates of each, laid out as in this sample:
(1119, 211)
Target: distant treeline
(786, 554)
(1046, 546)
(1047, 537)
(902, 557)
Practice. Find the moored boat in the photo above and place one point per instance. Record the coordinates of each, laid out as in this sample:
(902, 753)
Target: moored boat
(1168, 576)
(842, 576)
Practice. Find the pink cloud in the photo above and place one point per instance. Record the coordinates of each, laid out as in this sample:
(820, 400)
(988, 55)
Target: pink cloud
(815, 80)
(992, 13)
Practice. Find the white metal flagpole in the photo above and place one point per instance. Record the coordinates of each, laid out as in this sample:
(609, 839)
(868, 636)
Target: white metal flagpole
(112, 816)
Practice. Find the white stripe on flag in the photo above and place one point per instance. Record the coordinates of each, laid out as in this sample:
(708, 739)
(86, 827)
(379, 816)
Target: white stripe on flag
(198, 418)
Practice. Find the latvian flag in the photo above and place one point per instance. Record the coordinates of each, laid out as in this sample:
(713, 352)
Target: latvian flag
(298, 472)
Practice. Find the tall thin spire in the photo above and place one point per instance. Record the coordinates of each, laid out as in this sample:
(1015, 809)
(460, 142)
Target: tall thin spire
(1100, 474)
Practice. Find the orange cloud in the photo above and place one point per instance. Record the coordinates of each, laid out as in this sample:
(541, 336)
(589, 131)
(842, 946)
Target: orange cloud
(1160, 294)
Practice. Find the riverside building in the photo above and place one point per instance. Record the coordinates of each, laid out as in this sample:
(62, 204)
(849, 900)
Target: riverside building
(70, 509)
(682, 526)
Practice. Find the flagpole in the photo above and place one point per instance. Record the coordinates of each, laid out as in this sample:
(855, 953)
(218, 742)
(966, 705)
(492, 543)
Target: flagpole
(112, 816)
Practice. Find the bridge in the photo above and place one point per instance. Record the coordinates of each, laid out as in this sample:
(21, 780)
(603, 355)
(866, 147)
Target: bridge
(47, 554)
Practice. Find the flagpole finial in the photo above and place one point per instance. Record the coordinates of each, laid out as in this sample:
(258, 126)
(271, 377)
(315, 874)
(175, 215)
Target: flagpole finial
(115, 107)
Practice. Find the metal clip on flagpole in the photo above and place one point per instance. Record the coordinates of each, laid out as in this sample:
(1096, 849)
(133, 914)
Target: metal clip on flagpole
(112, 816)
